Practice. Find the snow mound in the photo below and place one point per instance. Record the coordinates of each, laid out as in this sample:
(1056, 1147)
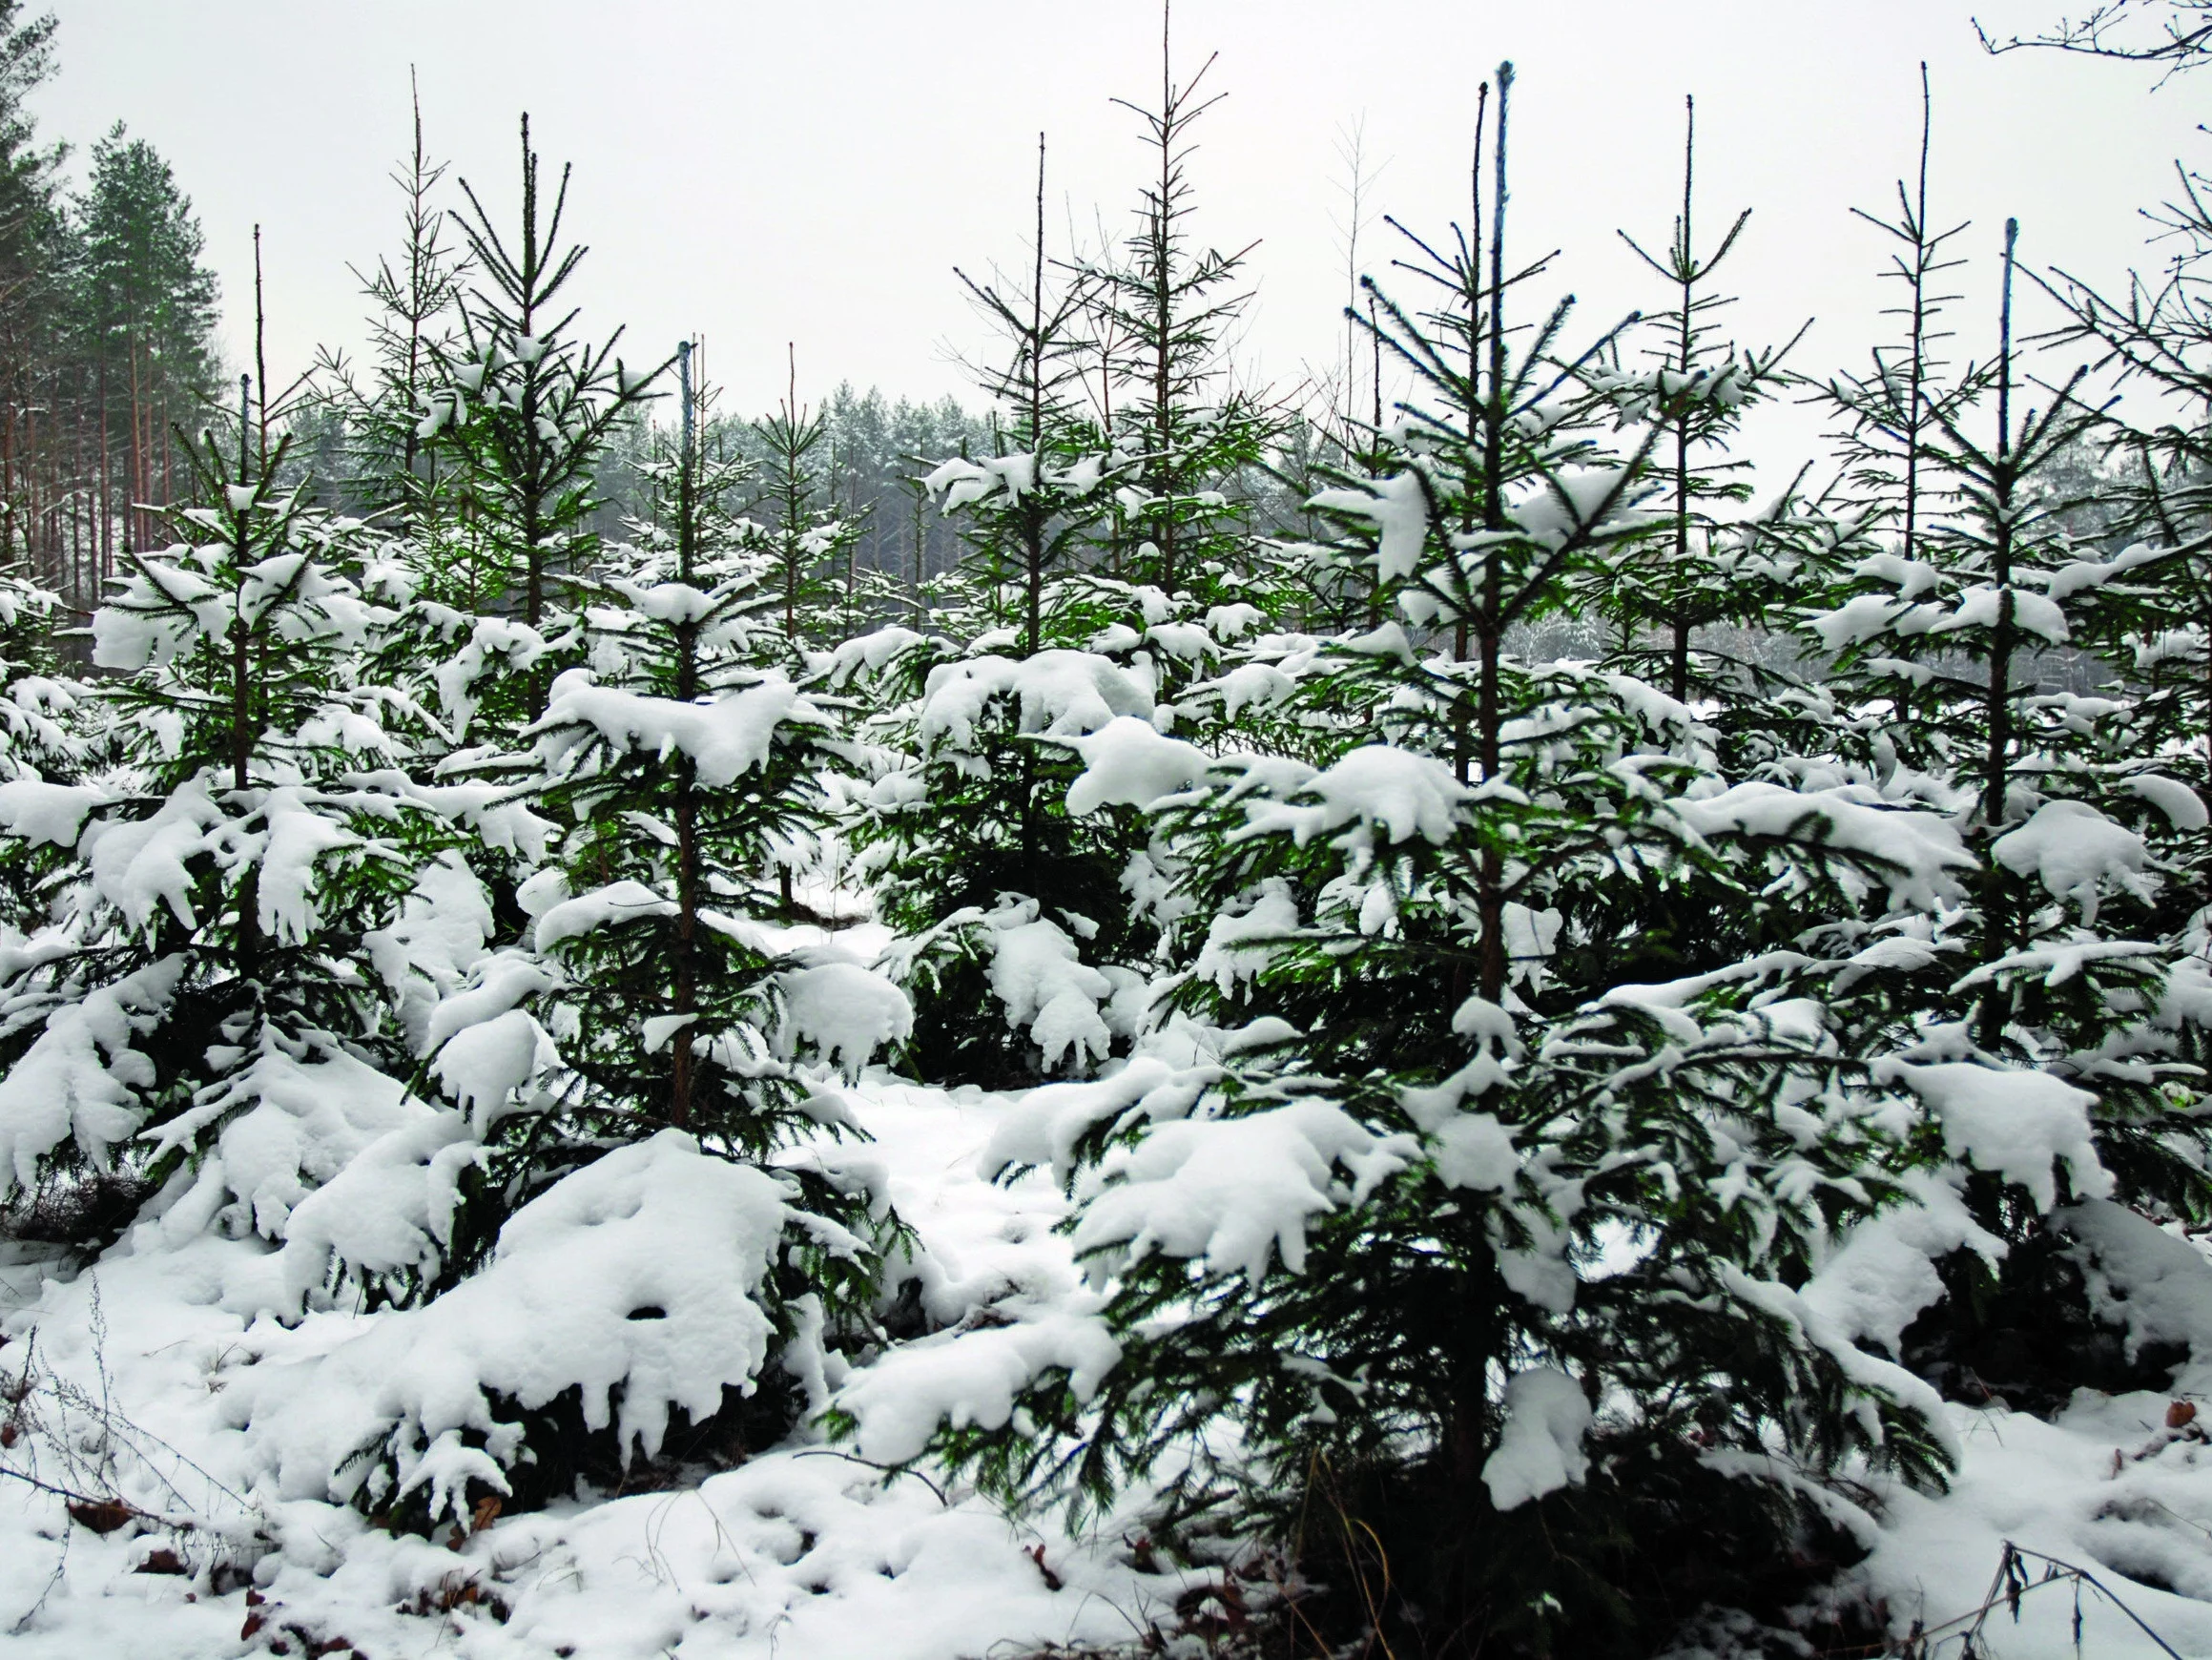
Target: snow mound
(630, 1282)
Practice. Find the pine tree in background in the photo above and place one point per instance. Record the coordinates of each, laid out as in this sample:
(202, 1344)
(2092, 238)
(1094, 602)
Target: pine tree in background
(1893, 409)
(147, 312)
(34, 251)
(1179, 416)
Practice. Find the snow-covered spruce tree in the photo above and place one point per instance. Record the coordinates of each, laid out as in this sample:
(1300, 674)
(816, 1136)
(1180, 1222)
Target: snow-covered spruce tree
(2058, 972)
(1016, 935)
(654, 996)
(1113, 548)
(1429, 1219)
(1711, 568)
(1892, 409)
(198, 1017)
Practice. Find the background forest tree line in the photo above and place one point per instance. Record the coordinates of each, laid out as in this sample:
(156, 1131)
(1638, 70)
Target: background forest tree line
(110, 357)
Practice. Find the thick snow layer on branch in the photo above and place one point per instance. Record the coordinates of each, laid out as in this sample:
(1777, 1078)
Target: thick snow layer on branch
(388, 1211)
(971, 1378)
(437, 937)
(843, 1011)
(963, 481)
(1128, 762)
(1059, 695)
(630, 1282)
(79, 1078)
(1920, 852)
(724, 740)
(1404, 793)
(2183, 806)
(1239, 944)
(1235, 1192)
(1884, 1274)
(287, 1125)
(1811, 1327)
(43, 813)
(1047, 1124)
(483, 1065)
(1580, 504)
(2075, 850)
(618, 902)
(2013, 1122)
(140, 865)
(297, 837)
(1399, 509)
(1539, 1450)
(1039, 977)
(1978, 608)
(869, 653)
(502, 982)
(2156, 1284)
(1252, 685)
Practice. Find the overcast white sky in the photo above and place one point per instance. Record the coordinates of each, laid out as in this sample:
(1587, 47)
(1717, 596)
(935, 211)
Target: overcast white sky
(762, 173)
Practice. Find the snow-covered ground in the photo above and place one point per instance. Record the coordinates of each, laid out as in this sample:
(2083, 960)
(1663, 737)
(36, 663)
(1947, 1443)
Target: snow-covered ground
(805, 1554)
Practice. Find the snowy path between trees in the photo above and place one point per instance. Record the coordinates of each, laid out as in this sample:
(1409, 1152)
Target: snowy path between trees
(803, 1554)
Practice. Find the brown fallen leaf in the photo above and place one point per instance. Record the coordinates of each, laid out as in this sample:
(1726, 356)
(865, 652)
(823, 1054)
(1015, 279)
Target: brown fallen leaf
(101, 1515)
